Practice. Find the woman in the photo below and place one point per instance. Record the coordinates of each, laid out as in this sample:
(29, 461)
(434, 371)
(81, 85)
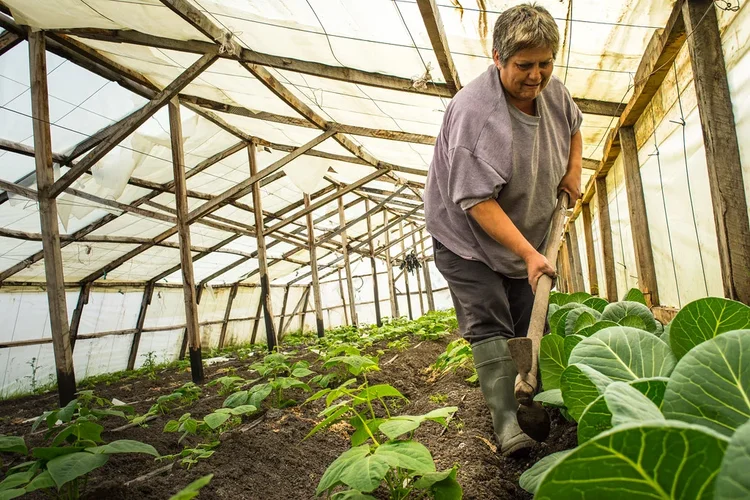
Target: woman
(509, 142)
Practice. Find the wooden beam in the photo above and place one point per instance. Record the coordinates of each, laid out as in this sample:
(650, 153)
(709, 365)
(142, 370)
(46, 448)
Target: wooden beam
(722, 151)
(576, 267)
(265, 289)
(419, 278)
(406, 274)
(53, 264)
(257, 319)
(343, 296)
(606, 236)
(373, 267)
(644, 255)
(389, 266)
(283, 310)
(75, 321)
(347, 262)
(285, 327)
(434, 25)
(385, 228)
(227, 314)
(590, 164)
(590, 250)
(8, 40)
(148, 294)
(427, 277)
(304, 308)
(314, 267)
(132, 122)
(183, 230)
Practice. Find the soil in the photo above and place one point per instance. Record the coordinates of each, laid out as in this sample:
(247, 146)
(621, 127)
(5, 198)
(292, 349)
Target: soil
(268, 458)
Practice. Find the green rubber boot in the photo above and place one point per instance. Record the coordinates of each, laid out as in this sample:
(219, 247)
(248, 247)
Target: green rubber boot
(497, 375)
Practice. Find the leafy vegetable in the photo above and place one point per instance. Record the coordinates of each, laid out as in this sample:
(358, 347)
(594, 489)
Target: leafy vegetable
(704, 319)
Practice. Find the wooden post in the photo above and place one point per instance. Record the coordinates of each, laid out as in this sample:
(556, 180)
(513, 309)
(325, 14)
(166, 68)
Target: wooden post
(227, 313)
(343, 297)
(148, 294)
(373, 267)
(265, 285)
(406, 274)
(419, 277)
(283, 309)
(314, 268)
(258, 313)
(183, 229)
(347, 263)
(53, 265)
(75, 321)
(644, 255)
(590, 251)
(575, 253)
(302, 299)
(304, 308)
(389, 267)
(722, 151)
(606, 234)
(427, 277)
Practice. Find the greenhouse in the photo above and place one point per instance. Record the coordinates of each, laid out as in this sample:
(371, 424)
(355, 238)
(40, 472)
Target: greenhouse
(225, 272)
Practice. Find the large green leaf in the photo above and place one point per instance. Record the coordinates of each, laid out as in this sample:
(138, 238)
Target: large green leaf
(552, 360)
(42, 481)
(377, 391)
(704, 319)
(635, 295)
(662, 460)
(570, 342)
(579, 297)
(553, 397)
(17, 479)
(408, 455)
(581, 385)
(361, 434)
(355, 364)
(366, 474)
(623, 353)
(215, 420)
(579, 318)
(332, 475)
(711, 384)
(124, 446)
(597, 303)
(13, 444)
(351, 495)
(551, 310)
(14, 493)
(618, 311)
(558, 317)
(69, 467)
(48, 453)
(599, 325)
(733, 481)
(627, 405)
(532, 478)
(558, 298)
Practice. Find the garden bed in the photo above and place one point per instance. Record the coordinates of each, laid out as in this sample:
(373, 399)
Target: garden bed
(267, 456)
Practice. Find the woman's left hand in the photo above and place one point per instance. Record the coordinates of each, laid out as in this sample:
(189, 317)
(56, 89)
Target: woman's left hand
(571, 184)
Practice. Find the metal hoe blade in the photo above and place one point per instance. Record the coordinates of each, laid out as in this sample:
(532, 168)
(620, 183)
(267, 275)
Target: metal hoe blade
(534, 421)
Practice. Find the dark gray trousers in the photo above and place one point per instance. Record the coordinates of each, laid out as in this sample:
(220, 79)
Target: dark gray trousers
(487, 303)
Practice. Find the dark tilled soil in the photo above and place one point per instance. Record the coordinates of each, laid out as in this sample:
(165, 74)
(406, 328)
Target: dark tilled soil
(267, 458)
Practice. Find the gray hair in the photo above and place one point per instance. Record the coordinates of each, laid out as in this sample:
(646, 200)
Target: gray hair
(525, 26)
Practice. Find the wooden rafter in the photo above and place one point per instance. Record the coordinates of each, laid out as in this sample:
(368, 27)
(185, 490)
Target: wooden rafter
(433, 23)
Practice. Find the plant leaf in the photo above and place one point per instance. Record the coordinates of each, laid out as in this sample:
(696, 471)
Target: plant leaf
(711, 384)
(360, 434)
(377, 391)
(54, 451)
(13, 444)
(215, 420)
(552, 397)
(192, 489)
(366, 474)
(597, 303)
(236, 399)
(623, 353)
(704, 319)
(733, 481)
(635, 295)
(407, 455)
(579, 297)
(579, 318)
(124, 446)
(533, 477)
(14, 493)
(552, 360)
(653, 460)
(570, 342)
(301, 372)
(17, 479)
(42, 481)
(74, 465)
(332, 475)
(556, 318)
(599, 325)
(330, 419)
(581, 385)
(617, 311)
(627, 405)
(351, 495)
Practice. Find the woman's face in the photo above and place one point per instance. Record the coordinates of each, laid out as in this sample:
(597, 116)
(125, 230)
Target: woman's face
(526, 73)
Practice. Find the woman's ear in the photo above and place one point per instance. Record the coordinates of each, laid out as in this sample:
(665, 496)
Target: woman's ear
(496, 58)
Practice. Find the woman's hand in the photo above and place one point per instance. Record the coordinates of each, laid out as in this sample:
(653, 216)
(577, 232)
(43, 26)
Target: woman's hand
(571, 184)
(537, 265)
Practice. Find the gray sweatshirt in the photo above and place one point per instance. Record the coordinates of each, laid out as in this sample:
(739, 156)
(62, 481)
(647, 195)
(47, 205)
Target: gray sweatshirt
(488, 149)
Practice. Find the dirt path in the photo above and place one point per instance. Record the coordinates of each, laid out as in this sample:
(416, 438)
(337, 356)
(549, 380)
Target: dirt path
(272, 461)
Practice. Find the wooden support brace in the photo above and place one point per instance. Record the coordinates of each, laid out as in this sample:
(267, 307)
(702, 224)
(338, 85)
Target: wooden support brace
(605, 227)
(347, 263)
(343, 297)
(406, 274)
(148, 294)
(227, 314)
(373, 267)
(389, 267)
(75, 321)
(419, 277)
(590, 250)
(427, 277)
(575, 254)
(314, 267)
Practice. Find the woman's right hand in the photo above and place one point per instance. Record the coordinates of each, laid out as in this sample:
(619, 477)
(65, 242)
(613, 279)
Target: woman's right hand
(537, 265)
